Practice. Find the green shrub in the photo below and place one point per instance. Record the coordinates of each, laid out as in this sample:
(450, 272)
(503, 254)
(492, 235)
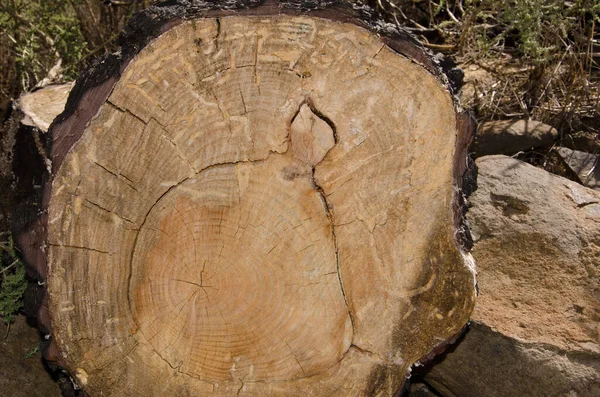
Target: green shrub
(13, 281)
(36, 34)
(39, 33)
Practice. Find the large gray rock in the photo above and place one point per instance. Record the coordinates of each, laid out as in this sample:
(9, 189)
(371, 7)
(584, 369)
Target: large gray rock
(512, 136)
(536, 326)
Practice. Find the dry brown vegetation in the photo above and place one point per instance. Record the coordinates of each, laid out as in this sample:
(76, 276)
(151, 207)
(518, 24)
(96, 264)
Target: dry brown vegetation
(536, 59)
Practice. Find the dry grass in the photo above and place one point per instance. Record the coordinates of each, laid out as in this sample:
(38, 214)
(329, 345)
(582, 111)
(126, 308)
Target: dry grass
(530, 59)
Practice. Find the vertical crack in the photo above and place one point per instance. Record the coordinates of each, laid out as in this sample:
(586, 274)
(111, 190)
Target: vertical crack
(323, 196)
(256, 77)
(329, 211)
(216, 39)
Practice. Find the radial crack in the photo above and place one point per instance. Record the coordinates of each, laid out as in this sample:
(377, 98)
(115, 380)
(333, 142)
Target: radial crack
(329, 211)
(313, 155)
(80, 247)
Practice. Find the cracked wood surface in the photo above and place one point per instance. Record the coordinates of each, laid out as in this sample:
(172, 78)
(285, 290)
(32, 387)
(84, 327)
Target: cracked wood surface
(263, 206)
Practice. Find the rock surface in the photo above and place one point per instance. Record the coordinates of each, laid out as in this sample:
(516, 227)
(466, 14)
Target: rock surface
(536, 326)
(488, 363)
(511, 136)
(23, 374)
(585, 165)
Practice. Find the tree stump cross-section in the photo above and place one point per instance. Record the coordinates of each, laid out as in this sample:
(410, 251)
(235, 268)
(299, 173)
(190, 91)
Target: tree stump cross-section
(236, 261)
(262, 205)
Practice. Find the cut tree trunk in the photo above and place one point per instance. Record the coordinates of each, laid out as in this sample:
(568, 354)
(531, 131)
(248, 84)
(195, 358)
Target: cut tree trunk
(254, 201)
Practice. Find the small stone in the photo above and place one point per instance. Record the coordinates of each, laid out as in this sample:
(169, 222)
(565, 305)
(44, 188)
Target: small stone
(585, 165)
(512, 136)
